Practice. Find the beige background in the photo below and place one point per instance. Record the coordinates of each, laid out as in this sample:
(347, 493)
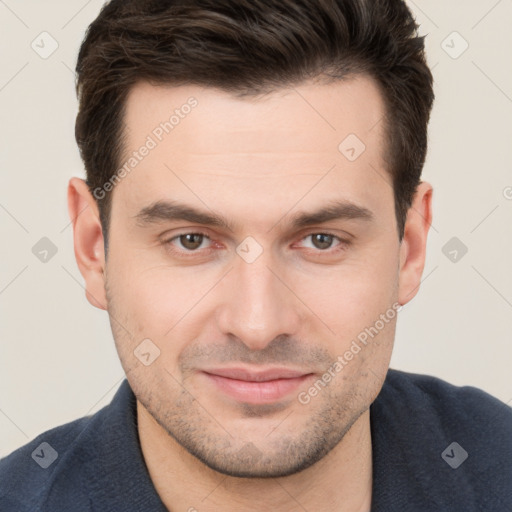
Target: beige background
(57, 357)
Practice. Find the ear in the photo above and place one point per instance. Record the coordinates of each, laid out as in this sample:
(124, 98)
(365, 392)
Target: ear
(414, 243)
(88, 241)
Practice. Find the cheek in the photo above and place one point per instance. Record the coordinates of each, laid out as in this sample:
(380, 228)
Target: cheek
(161, 303)
(153, 301)
(354, 294)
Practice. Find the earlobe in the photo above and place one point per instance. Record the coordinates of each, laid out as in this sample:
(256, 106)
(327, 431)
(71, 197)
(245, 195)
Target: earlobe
(414, 243)
(87, 240)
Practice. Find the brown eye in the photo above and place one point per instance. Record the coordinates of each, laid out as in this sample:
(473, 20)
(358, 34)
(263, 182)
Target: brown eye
(194, 244)
(324, 243)
(191, 241)
(322, 240)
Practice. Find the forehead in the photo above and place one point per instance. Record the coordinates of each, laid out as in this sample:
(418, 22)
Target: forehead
(311, 117)
(206, 143)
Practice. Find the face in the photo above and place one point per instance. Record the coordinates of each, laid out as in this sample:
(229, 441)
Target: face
(254, 282)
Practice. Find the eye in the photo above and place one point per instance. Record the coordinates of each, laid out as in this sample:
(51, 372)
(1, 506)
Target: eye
(324, 241)
(190, 242)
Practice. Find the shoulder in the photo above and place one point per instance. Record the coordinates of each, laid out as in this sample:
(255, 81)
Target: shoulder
(433, 396)
(456, 441)
(63, 467)
(93, 463)
(30, 473)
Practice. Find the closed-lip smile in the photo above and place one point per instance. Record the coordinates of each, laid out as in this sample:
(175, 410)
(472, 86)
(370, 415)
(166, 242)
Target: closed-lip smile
(256, 386)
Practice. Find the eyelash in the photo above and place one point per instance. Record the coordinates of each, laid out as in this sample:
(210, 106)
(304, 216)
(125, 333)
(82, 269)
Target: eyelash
(343, 243)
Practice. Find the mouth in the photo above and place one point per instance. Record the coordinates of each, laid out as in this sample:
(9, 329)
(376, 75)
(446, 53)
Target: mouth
(260, 387)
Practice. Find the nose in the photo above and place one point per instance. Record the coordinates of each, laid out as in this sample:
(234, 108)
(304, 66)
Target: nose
(258, 303)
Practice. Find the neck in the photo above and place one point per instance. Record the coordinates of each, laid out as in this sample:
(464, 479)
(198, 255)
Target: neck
(341, 481)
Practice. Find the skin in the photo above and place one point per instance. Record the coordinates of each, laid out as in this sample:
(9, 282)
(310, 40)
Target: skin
(298, 305)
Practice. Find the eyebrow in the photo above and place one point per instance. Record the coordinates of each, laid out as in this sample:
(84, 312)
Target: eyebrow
(168, 211)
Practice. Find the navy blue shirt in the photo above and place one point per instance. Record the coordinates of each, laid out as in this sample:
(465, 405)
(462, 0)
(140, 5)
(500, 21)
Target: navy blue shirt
(436, 447)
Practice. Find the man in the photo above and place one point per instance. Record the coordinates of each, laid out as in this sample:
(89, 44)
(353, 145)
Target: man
(253, 220)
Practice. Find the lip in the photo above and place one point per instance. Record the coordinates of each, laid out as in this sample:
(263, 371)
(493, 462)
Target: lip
(258, 376)
(263, 386)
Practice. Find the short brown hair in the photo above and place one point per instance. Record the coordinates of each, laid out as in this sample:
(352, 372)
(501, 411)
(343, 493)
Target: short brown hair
(248, 48)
